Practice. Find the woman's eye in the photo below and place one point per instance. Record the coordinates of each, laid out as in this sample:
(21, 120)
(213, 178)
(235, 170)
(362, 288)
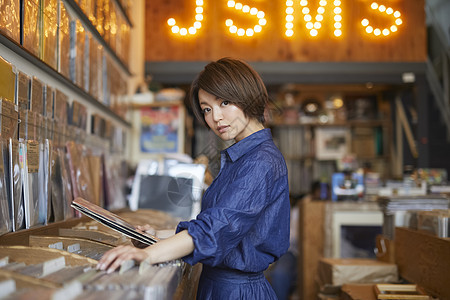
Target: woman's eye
(224, 103)
(206, 110)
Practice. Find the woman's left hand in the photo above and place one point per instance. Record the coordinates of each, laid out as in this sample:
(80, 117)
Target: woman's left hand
(112, 259)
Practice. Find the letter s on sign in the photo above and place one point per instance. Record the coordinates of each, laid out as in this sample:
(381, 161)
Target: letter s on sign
(253, 11)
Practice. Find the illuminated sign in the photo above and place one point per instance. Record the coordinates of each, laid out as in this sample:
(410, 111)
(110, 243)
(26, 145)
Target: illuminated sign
(311, 20)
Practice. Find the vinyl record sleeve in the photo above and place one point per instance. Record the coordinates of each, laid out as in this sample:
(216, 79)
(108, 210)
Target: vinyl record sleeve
(111, 220)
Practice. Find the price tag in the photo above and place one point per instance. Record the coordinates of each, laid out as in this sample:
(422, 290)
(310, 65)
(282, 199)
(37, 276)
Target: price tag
(7, 287)
(73, 248)
(53, 265)
(126, 265)
(4, 261)
(58, 245)
(33, 156)
(69, 291)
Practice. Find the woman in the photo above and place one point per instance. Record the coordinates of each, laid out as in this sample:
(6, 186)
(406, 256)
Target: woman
(243, 226)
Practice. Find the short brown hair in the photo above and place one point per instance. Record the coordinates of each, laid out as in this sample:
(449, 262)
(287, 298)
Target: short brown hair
(235, 81)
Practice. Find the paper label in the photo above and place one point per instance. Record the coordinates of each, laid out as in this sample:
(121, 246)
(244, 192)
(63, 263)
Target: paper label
(69, 291)
(53, 265)
(57, 245)
(73, 248)
(7, 287)
(126, 265)
(32, 156)
(4, 261)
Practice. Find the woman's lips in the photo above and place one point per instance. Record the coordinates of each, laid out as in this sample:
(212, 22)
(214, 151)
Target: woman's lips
(222, 129)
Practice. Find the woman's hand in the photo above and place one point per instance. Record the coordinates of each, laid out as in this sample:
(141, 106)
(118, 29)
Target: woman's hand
(112, 259)
(147, 229)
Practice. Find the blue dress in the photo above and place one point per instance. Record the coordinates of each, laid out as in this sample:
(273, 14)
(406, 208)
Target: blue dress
(244, 223)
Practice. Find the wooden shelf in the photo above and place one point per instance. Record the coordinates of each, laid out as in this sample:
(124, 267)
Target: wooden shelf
(87, 23)
(32, 59)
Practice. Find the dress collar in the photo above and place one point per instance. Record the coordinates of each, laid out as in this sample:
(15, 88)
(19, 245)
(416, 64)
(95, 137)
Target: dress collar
(236, 151)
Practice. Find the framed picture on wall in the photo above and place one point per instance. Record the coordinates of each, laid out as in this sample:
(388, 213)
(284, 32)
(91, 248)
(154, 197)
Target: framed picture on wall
(332, 142)
(161, 129)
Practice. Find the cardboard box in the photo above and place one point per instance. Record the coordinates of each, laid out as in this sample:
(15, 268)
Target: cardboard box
(339, 271)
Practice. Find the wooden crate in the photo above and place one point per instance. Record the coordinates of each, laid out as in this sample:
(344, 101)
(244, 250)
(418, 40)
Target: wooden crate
(424, 260)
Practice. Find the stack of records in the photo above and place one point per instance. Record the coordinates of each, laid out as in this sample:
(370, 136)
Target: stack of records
(401, 211)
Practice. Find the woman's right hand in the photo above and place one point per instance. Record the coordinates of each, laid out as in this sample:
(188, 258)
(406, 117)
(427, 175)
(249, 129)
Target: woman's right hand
(146, 229)
(113, 259)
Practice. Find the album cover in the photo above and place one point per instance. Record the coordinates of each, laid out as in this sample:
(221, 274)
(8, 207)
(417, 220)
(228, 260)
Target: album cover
(112, 220)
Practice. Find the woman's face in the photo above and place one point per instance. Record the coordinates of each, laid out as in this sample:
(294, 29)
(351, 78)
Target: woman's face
(226, 119)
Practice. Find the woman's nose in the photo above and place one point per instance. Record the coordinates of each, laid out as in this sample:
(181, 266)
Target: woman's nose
(217, 114)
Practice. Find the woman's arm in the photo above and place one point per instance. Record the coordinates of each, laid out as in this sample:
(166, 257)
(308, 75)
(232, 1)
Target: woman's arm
(172, 248)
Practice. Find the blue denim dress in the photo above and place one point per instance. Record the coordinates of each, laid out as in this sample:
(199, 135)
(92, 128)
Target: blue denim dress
(244, 223)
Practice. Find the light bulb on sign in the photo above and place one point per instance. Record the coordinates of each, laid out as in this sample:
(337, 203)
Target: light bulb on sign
(389, 11)
(253, 11)
(183, 31)
(171, 22)
(318, 17)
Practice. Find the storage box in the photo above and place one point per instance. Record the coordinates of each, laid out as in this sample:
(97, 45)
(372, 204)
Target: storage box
(424, 260)
(339, 271)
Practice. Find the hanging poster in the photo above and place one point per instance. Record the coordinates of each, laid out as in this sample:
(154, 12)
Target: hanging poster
(160, 128)
(332, 142)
